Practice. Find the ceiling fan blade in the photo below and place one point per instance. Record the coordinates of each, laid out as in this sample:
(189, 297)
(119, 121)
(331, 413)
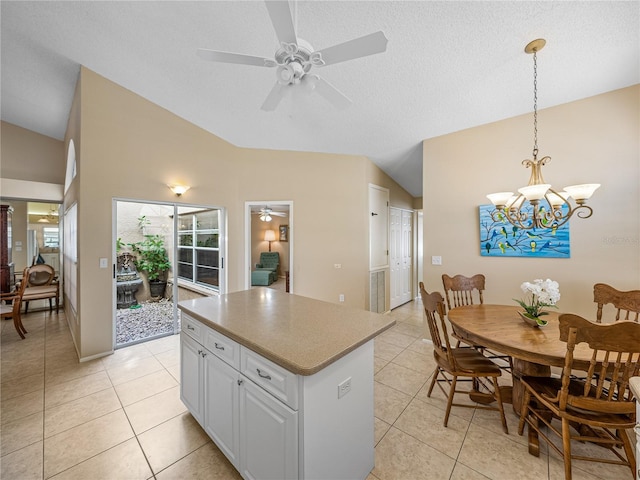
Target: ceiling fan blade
(356, 48)
(239, 58)
(275, 95)
(280, 13)
(278, 214)
(331, 93)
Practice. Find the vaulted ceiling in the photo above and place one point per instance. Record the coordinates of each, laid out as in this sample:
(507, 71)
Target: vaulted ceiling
(449, 65)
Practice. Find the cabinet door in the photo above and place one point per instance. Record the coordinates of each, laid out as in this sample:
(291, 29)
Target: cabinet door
(269, 436)
(221, 417)
(191, 376)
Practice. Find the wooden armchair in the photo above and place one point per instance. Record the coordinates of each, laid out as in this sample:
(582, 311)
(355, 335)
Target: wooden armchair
(12, 309)
(627, 304)
(601, 406)
(452, 363)
(41, 283)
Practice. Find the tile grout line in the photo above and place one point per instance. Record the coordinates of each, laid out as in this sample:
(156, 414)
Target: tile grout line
(414, 397)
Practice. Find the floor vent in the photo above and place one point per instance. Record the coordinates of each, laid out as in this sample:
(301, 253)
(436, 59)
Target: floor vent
(377, 292)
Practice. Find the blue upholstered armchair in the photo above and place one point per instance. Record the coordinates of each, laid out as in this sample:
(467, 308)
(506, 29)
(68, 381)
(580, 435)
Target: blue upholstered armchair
(269, 261)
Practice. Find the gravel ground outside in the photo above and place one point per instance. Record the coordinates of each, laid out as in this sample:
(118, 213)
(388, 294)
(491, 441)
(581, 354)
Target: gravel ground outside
(150, 320)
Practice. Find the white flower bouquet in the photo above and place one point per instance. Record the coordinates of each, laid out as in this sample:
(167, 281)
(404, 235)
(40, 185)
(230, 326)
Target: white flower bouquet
(541, 294)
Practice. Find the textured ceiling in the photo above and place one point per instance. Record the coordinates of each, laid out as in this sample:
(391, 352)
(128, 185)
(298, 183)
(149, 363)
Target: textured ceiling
(448, 66)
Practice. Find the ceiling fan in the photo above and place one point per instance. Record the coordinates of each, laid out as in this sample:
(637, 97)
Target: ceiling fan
(295, 58)
(266, 213)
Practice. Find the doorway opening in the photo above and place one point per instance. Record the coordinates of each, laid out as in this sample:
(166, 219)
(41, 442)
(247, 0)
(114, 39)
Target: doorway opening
(164, 253)
(269, 240)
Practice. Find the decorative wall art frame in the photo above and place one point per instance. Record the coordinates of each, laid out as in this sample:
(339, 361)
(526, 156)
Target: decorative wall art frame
(501, 239)
(284, 233)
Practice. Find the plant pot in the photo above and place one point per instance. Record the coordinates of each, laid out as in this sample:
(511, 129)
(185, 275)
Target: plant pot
(532, 321)
(157, 288)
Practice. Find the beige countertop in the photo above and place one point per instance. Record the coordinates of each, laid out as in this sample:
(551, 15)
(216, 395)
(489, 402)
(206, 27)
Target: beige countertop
(300, 334)
(635, 388)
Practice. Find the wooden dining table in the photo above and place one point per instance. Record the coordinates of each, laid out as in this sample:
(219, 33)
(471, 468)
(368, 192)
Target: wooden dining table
(534, 349)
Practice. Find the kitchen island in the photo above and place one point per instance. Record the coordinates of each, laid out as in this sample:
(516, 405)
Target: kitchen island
(283, 384)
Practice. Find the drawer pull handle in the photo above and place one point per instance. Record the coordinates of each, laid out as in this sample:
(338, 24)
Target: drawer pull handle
(218, 346)
(189, 327)
(199, 352)
(263, 375)
(240, 382)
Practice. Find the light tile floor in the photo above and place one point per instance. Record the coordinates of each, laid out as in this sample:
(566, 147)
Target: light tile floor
(120, 417)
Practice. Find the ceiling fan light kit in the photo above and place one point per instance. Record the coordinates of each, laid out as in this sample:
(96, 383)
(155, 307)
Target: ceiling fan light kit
(525, 209)
(266, 214)
(295, 57)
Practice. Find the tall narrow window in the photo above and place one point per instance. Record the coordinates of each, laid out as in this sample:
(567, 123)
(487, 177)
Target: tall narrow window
(51, 237)
(199, 248)
(71, 255)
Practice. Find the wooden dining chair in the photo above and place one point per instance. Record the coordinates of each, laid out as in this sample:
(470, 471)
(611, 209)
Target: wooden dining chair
(460, 290)
(10, 305)
(627, 304)
(452, 363)
(601, 405)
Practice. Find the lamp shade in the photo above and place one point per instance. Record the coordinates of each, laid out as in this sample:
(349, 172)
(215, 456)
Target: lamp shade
(582, 192)
(500, 198)
(269, 236)
(179, 189)
(556, 199)
(534, 192)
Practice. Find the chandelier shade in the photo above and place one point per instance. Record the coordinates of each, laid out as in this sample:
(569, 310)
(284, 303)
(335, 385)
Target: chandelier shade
(537, 205)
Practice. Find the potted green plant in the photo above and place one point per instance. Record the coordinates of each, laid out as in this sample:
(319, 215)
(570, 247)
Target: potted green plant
(152, 258)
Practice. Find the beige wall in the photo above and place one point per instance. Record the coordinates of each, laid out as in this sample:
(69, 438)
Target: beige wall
(27, 155)
(130, 148)
(71, 197)
(595, 140)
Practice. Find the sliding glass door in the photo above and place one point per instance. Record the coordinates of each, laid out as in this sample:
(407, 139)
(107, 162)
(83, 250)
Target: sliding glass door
(164, 253)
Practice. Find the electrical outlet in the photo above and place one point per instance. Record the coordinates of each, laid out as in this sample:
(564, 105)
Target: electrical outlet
(436, 260)
(341, 297)
(344, 387)
(103, 263)
(337, 265)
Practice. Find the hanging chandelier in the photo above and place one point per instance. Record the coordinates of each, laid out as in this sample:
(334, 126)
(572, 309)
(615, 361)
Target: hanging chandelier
(538, 205)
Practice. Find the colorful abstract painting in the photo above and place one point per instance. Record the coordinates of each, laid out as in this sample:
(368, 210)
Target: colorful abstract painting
(501, 239)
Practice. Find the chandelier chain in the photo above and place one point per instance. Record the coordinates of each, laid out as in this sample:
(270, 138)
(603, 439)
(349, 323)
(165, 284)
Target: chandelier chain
(535, 105)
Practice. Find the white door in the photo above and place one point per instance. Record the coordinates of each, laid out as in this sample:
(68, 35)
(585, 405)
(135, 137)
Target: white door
(221, 393)
(400, 255)
(378, 227)
(269, 436)
(407, 256)
(395, 255)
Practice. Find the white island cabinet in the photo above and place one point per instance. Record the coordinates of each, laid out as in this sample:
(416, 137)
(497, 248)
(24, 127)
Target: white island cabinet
(282, 384)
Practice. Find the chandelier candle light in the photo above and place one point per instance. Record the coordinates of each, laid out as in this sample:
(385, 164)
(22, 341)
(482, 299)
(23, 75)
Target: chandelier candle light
(525, 210)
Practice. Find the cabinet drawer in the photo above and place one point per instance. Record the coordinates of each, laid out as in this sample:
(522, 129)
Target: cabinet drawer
(192, 327)
(223, 347)
(279, 382)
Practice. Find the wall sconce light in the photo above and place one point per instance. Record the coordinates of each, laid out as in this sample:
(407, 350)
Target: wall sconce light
(179, 189)
(269, 236)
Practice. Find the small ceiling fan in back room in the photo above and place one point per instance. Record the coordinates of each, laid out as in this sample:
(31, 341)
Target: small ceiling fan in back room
(266, 213)
(296, 57)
